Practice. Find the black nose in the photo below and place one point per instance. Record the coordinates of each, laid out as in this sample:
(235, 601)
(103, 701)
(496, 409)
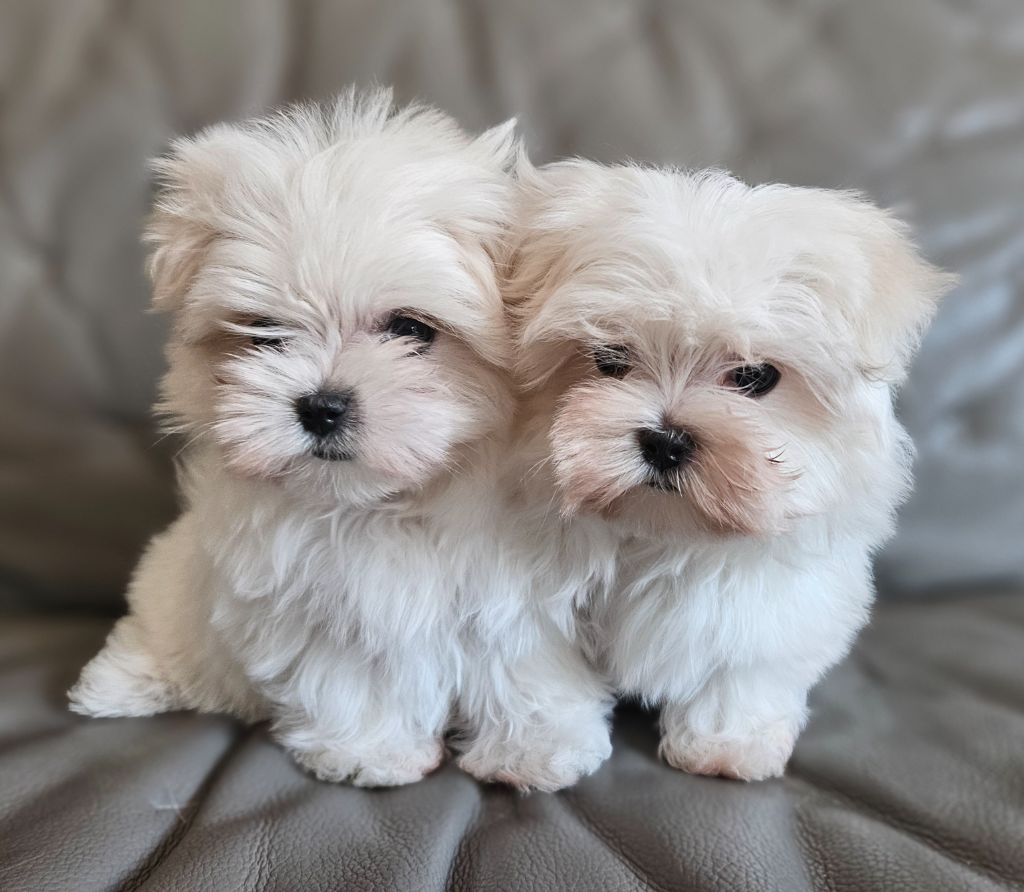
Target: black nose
(664, 450)
(323, 413)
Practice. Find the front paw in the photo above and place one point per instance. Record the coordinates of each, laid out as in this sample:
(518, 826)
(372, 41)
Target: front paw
(756, 756)
(547, 759)
(372, 766)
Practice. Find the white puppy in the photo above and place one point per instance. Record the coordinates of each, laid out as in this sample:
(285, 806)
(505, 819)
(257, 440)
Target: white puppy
(711, 369)
(344, 565)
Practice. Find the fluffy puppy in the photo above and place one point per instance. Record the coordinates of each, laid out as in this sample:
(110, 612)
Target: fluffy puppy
(344, 565)
(710, 370)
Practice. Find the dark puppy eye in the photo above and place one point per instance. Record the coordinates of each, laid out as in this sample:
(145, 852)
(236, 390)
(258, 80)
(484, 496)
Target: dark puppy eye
(408, 327)
(755, 380)
(612, 361)
(271, 339)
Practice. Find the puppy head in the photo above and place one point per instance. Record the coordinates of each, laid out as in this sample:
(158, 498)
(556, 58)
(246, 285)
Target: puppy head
(338, 323)
(710, 356)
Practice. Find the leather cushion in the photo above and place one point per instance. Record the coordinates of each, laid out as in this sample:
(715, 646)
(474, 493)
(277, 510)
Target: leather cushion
(908, 777)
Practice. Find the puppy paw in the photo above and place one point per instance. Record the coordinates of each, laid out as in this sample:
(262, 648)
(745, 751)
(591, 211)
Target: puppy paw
(758, 756)
(393, 769)
(120, 683)
(384, 767)
(546, 761)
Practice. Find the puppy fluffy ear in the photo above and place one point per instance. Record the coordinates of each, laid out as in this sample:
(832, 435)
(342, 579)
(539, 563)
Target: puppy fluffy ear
(501, 145)
(191, 178)
(549, 200)
(885, 290)
(553, 202)
(484, 215)
(479, 225)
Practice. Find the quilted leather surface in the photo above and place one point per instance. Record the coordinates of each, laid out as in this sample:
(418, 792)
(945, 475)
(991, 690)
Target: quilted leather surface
(910, 777)
(918, 102)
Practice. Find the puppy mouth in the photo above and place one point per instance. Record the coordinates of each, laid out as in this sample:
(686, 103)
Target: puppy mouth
(331, 452)
(662, 485)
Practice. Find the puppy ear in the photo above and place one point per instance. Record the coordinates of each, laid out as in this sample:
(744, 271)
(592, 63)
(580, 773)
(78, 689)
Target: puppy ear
(481, 217)
(550, 207)
(478, 222)
(549, 200)
(885, 290)
(191, 178)
(500, 146)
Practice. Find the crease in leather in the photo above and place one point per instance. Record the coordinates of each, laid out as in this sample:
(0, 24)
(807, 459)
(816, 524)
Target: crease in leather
(461, 850)
(566, 799)
(173, 838)
(973, 692)
(260, 873)
(956, 678)
(903, 827)
(31, 738)
(817, 865)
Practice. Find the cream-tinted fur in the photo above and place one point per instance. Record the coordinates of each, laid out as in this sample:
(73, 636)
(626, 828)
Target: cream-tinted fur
(746, 573)
(366, 605)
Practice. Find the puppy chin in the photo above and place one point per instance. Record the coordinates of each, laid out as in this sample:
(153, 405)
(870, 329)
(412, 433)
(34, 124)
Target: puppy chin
(331, 475)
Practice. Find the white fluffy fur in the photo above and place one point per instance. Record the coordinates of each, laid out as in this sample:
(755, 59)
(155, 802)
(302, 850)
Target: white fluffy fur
(363, 606)
(733, 591)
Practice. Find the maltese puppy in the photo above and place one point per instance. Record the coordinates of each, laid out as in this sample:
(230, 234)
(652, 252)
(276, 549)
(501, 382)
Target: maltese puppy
(710, 371)
(344, 565)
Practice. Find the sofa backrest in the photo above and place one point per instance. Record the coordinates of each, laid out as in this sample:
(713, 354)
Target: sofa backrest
(916, 103)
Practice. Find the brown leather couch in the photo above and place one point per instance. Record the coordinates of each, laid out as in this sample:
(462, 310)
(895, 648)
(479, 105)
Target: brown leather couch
(911, 772)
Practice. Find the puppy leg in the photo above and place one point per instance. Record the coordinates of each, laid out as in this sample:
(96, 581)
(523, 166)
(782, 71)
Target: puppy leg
(129, 677)
(537, 720)
(351, 720)
(123, 679)
(165, 655)
(743, 724)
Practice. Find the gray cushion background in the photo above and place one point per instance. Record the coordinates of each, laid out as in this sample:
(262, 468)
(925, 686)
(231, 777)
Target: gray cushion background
(920, 103)
(909, 778)
(910, 774)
